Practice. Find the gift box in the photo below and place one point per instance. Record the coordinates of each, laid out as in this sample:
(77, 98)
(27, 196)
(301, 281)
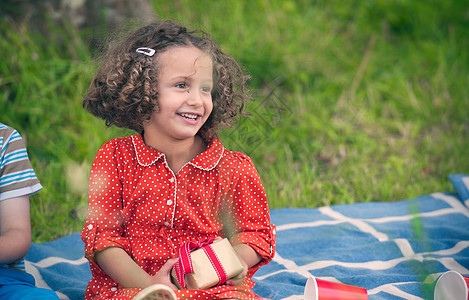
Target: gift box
(205, 264)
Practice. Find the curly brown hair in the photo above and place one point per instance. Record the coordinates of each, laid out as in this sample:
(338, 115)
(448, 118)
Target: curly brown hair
(124, 90)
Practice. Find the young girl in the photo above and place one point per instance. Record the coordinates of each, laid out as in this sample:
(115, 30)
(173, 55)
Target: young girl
(173, 182)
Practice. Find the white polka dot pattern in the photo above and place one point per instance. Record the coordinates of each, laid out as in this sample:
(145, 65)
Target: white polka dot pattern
(138, 204)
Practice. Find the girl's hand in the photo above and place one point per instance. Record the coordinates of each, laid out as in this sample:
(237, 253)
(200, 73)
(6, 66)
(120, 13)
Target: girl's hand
(249, 258)
(163, 276)
(238, 280)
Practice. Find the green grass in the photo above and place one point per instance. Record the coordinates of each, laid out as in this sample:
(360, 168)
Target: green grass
(355, 101)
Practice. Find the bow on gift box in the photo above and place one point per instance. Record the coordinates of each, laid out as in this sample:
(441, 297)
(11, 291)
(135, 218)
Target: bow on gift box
(184, 265)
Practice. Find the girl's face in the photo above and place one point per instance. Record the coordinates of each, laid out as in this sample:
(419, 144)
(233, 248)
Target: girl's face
(185, 102)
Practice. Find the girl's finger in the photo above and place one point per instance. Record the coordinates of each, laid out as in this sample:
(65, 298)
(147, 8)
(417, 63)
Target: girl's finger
(169, 264)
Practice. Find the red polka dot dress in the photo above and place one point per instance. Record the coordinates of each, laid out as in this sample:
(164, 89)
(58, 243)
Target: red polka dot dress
(137, 203)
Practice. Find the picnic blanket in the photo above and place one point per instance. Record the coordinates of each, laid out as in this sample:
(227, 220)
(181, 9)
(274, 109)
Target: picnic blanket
(396, 250)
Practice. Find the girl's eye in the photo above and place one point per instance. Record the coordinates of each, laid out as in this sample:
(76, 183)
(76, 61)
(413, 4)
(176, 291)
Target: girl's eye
(206, 89)
(181, 85)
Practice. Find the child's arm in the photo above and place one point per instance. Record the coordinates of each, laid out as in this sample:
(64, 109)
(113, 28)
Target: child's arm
(123, 269)
(250, 230)
(15, 229)
(248, 255)
(249, 258)
(105, 245)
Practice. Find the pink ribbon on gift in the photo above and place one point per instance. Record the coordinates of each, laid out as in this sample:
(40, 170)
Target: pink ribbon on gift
(184, 264)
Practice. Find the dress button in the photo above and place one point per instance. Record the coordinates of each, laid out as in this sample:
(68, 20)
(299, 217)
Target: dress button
(171, 179)
(90, 227)
(113, 289)
(169, 202)
(166, 223)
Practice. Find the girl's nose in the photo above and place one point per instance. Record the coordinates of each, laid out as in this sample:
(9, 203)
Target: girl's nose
(194, 97)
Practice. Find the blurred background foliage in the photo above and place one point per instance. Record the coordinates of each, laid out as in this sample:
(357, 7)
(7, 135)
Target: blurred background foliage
(355, 101)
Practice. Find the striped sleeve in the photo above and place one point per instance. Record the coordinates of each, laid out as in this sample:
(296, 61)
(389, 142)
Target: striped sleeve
(17, 177)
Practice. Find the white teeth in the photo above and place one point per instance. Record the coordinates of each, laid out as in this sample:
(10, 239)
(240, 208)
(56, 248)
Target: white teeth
(189, 116)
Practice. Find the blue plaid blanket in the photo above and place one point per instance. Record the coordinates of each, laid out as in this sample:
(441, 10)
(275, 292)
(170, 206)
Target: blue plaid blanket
(396, 250)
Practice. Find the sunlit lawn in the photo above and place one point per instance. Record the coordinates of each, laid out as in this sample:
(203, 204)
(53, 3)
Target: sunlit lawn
(355, 101)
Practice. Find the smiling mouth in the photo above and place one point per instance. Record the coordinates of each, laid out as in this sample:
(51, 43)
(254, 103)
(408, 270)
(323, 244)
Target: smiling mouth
(189, 116)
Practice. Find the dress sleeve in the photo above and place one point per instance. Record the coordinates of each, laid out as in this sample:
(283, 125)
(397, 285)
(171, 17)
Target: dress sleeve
(250, 213)
(103, 226)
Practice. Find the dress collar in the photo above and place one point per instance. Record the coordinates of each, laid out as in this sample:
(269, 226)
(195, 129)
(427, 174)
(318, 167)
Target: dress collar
(145, 155)
(210, 158)
(207, 160)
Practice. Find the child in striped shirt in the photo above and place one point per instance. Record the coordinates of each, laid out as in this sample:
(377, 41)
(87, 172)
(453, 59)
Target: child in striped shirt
(17, 182)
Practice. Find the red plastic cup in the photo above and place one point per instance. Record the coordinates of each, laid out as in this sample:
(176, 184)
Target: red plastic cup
(318, 289)
(452, 286)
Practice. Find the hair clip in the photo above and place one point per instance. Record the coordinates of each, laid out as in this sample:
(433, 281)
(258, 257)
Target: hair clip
(146, 51)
